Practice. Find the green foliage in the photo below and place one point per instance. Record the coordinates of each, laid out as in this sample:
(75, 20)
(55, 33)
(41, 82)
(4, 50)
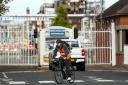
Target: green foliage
(3, 7)
(61, 19)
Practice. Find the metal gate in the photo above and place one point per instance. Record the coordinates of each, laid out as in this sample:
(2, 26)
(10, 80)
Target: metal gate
(17, 43)
(98, 47)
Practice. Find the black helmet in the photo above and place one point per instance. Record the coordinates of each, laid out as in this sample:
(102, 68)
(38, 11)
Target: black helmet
(58, 41)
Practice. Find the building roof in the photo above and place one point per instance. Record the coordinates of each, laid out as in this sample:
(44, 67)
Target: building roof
(57, 27)
(119, 8)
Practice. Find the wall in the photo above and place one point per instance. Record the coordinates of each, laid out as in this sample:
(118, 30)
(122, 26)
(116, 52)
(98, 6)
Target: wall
(124, 20)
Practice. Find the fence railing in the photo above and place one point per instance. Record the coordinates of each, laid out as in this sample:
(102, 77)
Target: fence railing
(98, 48)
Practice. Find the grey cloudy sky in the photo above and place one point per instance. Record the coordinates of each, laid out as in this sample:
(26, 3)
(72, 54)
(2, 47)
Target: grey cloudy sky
(18, 7)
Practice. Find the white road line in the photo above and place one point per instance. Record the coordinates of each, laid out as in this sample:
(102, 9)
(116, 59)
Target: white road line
(22, 71)
(105, 80)
(126, 80)
(46, 81)
(4, 74)
(77, 81)
(16, 82)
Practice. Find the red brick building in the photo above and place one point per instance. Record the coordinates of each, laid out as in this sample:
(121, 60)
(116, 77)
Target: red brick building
(118, 13)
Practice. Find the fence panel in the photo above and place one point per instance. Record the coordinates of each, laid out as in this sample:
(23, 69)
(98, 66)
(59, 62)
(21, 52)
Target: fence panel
(98, 48)
(17, 43)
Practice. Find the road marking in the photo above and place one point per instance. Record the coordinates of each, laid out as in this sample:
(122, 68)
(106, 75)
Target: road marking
(46, 81)
(53, 82)
(16, 82)
(96, 79)
(111, 81)
(105, 80)
(23, 71)
(77, 81)
(4, 74)
(110, 70)
(126, 80)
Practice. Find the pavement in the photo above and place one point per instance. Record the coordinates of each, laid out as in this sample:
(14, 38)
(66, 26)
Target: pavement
(122, 68)
(119, 68)
(21, 68)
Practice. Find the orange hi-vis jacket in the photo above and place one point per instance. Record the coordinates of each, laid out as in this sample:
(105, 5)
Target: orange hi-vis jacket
(62, 53)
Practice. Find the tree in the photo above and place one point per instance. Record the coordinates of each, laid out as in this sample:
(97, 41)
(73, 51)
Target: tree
(61, 19)
(3, 7)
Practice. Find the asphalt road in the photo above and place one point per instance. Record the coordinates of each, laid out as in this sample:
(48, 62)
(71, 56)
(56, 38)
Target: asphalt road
(47, 78)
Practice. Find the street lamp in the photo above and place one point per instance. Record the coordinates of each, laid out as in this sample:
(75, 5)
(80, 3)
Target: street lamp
(102, 6)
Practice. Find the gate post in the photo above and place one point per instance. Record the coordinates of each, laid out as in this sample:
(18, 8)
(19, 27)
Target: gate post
(42, 47)
(113, 44)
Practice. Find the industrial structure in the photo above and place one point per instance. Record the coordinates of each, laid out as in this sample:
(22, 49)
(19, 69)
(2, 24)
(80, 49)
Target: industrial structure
(31, 30)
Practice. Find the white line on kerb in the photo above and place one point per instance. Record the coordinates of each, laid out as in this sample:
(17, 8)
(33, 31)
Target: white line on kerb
(17, 82)
(4, 74)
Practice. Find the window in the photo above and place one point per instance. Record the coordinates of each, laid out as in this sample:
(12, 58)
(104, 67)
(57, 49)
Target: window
(74, 44)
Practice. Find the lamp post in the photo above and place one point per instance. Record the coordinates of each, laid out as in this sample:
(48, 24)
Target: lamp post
(102, 8)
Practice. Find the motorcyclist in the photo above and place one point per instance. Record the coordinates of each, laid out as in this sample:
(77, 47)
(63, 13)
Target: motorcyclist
(65, 55)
